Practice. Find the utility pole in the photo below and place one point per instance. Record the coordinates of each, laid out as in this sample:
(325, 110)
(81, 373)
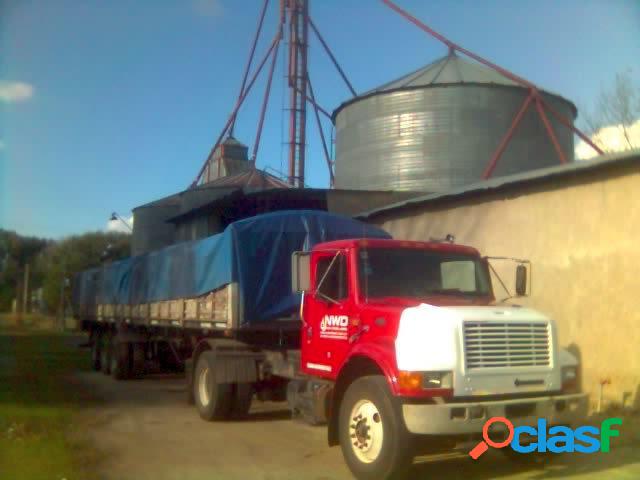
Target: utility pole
(63, 282)
(25, 291)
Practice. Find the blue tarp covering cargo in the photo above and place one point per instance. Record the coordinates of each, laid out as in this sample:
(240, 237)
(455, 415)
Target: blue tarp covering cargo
(255, 253)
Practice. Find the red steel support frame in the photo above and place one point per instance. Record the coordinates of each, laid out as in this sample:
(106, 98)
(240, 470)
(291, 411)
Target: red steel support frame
(453, 46)
(251, 54)
(550, 132)
(507, 137)
(297, 76)
(534, 94)
(293, 96)
(568, 124)
(295, 13)
(236, 108)
(333, 58)
(265, 100)
(324, 142)
(313, 102)
(304, 76)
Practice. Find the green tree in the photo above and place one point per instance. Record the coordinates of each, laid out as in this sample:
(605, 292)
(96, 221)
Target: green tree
(50, 262)
(16, 252)
(73, 254)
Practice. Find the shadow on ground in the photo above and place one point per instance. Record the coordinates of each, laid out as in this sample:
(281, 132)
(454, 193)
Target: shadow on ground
(624, 461)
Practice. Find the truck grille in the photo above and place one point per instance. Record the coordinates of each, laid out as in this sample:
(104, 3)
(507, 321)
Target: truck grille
(506, 344)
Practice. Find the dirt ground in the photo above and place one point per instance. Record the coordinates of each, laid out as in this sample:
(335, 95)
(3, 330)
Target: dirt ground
(145, 430)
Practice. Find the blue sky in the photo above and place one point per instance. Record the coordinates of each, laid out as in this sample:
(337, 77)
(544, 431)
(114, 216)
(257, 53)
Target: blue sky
(108, 105)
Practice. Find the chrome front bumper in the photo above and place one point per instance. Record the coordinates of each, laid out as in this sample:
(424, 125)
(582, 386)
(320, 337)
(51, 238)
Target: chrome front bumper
(460, 418)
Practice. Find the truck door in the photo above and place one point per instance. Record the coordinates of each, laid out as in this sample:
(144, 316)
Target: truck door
(328, 314)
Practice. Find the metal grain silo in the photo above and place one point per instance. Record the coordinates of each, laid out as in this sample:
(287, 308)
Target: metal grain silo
(438, 127)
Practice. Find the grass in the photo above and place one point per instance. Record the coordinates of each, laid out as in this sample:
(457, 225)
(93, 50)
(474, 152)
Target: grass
(38, 404)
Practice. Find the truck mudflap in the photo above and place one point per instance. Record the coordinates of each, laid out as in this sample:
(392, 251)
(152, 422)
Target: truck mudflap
(461, 418)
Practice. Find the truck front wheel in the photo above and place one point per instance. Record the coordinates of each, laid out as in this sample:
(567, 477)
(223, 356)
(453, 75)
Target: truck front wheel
(374, 441)
(213, 400)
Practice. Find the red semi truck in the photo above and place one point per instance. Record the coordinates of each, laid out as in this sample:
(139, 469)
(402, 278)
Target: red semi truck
(400, 348)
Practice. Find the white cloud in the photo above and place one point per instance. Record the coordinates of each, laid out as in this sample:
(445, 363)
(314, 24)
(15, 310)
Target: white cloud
(119, 226)
(610, 139)
(15, 91)
(2, 145)
(208, 8)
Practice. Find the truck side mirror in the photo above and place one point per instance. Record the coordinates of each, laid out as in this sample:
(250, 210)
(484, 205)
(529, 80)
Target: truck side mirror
(521, 280)
(301, 271)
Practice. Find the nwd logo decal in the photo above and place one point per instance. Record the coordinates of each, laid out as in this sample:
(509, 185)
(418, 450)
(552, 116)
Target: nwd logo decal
(334, 321)
(334, 327)
(556, 439)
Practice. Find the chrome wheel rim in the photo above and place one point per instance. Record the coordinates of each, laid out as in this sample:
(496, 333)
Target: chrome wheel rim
(203, 386)
(366, 431)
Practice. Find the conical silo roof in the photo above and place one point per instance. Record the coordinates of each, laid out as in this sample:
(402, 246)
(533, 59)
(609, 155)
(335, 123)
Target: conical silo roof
(444, 71)
(448, 70)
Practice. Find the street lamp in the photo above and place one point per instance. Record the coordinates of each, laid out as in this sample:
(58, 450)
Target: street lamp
(115, 217)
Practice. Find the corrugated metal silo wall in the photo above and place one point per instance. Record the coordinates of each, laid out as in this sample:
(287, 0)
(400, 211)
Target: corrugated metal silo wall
(433, 139)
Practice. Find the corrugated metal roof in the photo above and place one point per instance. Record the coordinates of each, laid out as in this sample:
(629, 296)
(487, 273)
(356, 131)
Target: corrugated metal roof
(603, 162)
(233, 141)
(253, 177)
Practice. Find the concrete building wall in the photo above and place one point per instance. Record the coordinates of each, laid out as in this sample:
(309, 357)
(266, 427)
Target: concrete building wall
(582, 235)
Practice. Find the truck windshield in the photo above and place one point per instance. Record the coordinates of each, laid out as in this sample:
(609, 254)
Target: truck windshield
(407, 272)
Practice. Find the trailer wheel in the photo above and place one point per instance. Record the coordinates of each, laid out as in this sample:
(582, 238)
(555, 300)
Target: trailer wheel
(105, 353)
(95, 351)
(137, 359)
(242, 396)
(213, 400)
(120, 360)
(374, 441)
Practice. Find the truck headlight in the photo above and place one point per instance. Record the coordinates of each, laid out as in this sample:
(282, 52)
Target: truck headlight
(437, 380)
(569, 378)
(425, 380)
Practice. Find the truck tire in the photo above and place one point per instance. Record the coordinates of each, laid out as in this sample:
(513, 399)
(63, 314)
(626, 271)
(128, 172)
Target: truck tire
(213, 400)
(137, 359)
(120, 360)
(373, 438)
(242, 396)
(105, 353)
(95, 351)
